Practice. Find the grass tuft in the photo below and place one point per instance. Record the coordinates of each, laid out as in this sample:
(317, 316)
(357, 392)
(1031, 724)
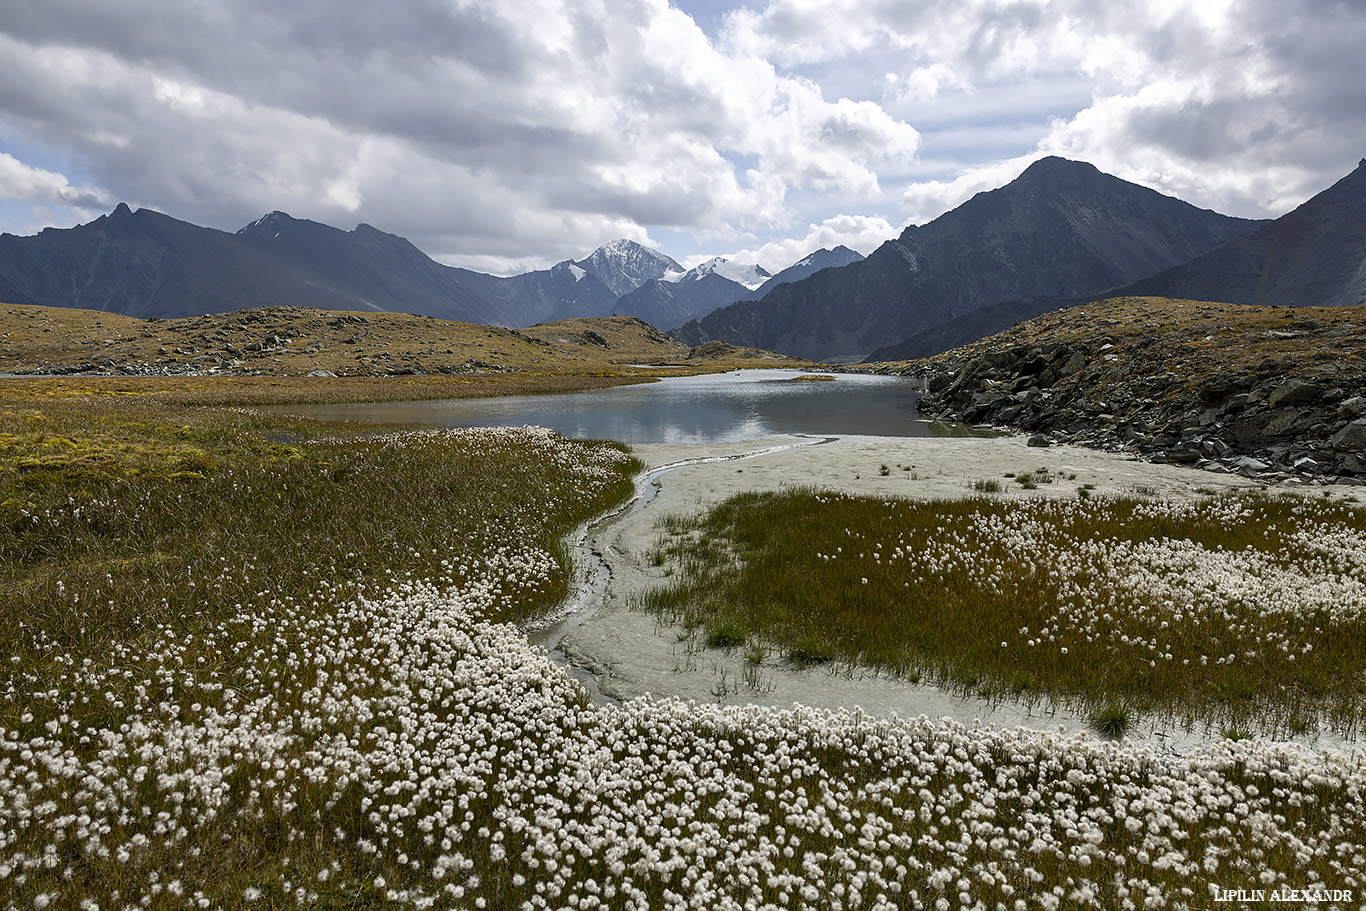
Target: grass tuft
(1111, 720)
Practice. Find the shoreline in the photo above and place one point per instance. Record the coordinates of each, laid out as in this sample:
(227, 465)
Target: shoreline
(633, 654)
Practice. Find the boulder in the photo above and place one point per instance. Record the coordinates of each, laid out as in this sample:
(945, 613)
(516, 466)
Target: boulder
(1222, 387)
(1351, 438)
(1288, 422)
(1247, 464)
(1354, 407)
(1294, 391)
(1074, 361)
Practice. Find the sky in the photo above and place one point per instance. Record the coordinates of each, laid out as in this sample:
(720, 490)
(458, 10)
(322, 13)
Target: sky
(507, 135)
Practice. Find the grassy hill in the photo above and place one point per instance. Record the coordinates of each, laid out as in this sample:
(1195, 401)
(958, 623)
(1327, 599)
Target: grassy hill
(295, 341)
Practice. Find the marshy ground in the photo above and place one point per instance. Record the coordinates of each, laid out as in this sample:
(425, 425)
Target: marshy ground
(257, 662)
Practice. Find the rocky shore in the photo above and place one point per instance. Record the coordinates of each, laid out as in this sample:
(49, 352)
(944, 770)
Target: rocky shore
(1276, 394)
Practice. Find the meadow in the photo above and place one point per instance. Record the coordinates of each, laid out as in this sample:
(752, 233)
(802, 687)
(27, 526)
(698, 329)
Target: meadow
(251, 662)
(1240, 612)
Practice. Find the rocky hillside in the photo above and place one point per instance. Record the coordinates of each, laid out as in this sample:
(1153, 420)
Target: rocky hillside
(1061, 229)
(294, 341)
(1269, 392)
(1315, 254)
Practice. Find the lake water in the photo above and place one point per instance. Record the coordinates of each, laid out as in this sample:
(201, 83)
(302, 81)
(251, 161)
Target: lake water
(728, 407)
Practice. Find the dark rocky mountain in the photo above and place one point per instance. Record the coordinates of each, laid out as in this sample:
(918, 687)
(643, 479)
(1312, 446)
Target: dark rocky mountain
(1061, 229)
(379, 271)
(147, 264)
(150, 265)
(669, 304)
(968, 328)
(1313, 256)
(559, 292)
(824, 258)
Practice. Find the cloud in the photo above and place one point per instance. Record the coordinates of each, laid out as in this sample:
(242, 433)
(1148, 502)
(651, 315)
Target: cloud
(1244, 105)
(857, 232)
(514, 116)
(926, 200)
(18, 180)
(531, 131)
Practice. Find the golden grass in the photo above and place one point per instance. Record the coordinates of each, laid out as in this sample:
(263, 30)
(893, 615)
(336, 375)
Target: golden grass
(1195, 340)
(295, 341)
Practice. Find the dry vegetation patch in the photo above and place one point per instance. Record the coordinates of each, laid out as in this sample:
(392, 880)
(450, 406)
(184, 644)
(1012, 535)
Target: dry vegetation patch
(1194, 339)
(293, 341)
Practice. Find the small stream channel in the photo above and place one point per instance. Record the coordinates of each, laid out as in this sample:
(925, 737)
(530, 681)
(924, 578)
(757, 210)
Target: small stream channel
(592, 574)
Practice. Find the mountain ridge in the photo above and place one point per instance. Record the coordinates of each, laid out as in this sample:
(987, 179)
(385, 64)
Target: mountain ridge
(147, 264)
(1060, 229)
(1314, 255)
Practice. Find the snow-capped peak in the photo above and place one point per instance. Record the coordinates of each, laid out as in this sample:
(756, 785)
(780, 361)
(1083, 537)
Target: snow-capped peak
(624, 265)
(747, 274)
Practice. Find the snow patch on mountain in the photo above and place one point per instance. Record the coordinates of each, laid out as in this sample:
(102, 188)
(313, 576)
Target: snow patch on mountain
(624, 265)
(747, 274)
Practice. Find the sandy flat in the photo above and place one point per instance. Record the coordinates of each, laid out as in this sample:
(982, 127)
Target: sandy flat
(632, 654)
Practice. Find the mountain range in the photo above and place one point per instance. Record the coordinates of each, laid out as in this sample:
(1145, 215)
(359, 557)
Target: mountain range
(146, 264)
(1314, 255)
(1062, 233)
(674, 299)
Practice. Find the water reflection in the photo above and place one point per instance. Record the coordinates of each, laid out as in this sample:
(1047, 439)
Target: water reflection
(729, 407)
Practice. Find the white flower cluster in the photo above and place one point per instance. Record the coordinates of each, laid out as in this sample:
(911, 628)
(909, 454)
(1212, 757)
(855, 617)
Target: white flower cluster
(402, 749)
(590, 461)
(1150, 600)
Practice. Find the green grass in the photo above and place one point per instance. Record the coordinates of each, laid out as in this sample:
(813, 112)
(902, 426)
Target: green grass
(117, 521)
(1026, 598)
(1111, 720)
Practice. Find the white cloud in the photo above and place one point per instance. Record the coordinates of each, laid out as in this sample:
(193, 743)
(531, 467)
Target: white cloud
(18, 180)
(926, 200)
(471, 129)
(857, 232)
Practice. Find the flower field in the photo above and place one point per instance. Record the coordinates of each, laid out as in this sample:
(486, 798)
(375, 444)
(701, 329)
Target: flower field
(414, 753)
(295, 679)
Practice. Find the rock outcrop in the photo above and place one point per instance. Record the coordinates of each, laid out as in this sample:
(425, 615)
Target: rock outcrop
(1266, 392)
